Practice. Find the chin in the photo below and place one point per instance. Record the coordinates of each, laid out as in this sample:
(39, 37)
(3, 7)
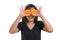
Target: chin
(31, 19)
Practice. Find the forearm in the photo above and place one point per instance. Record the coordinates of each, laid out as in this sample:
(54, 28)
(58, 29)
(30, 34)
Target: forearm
(14, 25)
(47, 26)
(46, 23)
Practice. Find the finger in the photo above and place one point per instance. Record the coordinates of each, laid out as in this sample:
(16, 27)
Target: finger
(22, 7)
(40, 7)
(19, 8)
(36, 6)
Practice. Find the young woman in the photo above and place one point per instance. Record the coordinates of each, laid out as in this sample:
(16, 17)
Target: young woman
(30, 27)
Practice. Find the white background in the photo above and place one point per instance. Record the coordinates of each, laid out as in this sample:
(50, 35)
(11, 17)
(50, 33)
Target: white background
(9, 11)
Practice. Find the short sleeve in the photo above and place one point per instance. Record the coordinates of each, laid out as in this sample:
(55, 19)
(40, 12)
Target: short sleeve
(40, 24)
(19, 26)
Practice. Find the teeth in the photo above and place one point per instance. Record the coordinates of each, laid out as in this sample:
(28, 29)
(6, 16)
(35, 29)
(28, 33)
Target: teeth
(30, 17)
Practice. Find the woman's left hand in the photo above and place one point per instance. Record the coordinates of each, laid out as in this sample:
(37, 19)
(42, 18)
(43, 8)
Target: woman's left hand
(39, 13)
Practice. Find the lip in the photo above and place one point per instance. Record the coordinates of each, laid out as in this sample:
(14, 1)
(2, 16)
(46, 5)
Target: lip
(31, 16)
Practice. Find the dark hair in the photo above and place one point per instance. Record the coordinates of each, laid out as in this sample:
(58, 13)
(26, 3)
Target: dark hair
(29, 6)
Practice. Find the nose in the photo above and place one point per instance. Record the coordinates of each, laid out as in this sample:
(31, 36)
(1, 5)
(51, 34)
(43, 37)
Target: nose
(31, 14)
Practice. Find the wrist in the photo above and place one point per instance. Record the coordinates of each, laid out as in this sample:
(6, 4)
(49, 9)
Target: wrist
(20, 16)
(40, 15)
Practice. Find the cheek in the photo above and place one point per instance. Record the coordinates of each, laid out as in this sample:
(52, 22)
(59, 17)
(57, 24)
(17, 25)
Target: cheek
(27, 18)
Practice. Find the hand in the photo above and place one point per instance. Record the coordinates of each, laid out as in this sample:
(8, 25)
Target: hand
(39, 13)
(22, 13)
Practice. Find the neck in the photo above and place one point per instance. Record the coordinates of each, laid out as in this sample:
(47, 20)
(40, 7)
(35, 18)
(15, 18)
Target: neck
(30, 22)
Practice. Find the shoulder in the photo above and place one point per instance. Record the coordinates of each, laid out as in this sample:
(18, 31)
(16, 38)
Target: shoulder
(39, 22)
(21, 22)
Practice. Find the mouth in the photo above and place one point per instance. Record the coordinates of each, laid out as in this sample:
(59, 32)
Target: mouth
(31, 16)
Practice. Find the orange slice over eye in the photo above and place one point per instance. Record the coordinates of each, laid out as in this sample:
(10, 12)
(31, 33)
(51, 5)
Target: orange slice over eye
(34, 12)
(27, 12)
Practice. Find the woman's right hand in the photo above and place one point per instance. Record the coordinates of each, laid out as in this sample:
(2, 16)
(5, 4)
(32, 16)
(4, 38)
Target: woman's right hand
(22, 13)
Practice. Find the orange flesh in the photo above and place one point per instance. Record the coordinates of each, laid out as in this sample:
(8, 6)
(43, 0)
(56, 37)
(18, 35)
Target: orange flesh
(34, 12)
(27, 12)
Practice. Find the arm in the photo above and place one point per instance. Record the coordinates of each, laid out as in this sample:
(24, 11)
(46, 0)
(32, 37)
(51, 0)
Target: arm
(13, 28)
(47, 27)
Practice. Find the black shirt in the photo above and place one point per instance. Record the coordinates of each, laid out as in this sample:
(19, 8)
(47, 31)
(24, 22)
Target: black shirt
(34, 34)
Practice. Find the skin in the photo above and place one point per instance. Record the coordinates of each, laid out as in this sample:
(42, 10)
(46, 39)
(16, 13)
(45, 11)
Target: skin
(48, 28)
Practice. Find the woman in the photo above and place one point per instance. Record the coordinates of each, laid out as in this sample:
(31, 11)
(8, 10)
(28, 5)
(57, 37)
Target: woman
(30, 27)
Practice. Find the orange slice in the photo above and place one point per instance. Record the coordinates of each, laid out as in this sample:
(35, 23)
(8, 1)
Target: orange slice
(34, 12)
(27, 12)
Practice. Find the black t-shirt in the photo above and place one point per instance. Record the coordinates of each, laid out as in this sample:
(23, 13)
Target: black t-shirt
(34, 34)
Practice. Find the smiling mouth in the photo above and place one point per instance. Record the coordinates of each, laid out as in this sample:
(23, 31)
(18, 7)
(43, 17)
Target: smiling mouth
(31, 16)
